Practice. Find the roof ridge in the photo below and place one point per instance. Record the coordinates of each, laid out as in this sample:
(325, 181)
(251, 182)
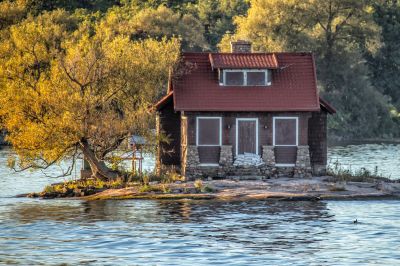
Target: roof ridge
(253, 53)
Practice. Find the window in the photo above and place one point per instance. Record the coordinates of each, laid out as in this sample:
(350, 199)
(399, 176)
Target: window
(234, 78)
(285, 131)
(256, 78)
(245, 77)
(208, 131)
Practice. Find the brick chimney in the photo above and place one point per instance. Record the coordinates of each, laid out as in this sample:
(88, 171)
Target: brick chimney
(240, 46)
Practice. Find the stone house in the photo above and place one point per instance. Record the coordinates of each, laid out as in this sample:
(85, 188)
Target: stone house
(244, 114)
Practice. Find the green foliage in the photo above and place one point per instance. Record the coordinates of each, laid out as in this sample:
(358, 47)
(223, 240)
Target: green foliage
(385, 62)
(151, 188)
(208, 189)
(95, 184)
(49, 189)
(341, 34)
(342, 174)
(217, 17)
(171, 177)
(50, 50)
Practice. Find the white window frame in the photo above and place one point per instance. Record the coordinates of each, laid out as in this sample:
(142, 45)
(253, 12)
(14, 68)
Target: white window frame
(197, 130)
(237, 133)
(297, 130)
(245, 71)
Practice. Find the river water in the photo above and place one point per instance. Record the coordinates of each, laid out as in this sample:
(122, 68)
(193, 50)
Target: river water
(136, 232)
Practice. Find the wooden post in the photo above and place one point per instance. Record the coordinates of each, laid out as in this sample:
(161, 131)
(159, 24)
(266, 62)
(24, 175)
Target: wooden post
(133, 158)
(140, 162)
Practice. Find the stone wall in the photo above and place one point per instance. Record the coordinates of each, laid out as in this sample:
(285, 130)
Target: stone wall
(226, 155)
(192, 161)
(303, 165)
(268, 155)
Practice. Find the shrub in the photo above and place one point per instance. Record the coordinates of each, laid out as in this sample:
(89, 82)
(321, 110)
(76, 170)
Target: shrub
(148, 188)
(49, 189)
(165, 188)
(339, 173)
(208, 189)
(198, 184)
(145, 179)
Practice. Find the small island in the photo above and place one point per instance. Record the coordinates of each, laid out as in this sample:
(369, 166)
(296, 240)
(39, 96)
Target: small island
(284, 188)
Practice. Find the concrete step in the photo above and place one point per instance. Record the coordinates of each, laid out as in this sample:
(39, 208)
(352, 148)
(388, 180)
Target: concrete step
(247, 177)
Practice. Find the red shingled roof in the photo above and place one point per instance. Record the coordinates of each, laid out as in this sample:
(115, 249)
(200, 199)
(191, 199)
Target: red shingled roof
(243, 60)
(293, 87)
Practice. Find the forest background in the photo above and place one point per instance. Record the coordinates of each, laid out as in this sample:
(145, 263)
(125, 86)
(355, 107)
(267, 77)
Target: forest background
(356, 42)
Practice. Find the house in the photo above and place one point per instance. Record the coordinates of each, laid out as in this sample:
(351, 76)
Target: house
(244, 114)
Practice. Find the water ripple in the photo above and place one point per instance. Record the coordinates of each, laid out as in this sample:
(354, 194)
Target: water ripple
(70, 232)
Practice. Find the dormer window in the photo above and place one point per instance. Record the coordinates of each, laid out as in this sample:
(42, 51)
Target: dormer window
(245, 77)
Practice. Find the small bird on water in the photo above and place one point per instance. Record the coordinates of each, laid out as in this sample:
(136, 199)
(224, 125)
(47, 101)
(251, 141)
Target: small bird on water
(355, 221)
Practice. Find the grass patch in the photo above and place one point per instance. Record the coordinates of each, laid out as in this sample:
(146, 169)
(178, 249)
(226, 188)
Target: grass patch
(341, 174)
(92, 185)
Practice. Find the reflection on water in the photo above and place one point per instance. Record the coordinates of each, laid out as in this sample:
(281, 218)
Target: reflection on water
(53, 232)
(199, 232)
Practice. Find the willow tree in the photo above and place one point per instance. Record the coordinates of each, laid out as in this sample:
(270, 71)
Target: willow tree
(66, 90)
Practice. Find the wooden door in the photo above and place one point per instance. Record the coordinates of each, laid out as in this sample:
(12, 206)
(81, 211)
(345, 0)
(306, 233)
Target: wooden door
(247, 138)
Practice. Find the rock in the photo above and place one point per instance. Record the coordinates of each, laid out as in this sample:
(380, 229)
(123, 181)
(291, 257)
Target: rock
(388, 187)
(90, 191)
(190, 191)
(248, 160)
(50, 195)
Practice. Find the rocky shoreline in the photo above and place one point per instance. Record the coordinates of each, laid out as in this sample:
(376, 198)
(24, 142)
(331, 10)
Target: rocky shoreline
(316, 188)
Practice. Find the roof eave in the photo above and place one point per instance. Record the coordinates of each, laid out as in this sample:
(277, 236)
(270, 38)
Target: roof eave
(314, 109)
(327, 106)
(163, 101)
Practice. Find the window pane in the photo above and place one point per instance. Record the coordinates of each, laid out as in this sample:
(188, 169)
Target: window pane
(256, 78)
(234, 78)
(208, 131)
(285, 131)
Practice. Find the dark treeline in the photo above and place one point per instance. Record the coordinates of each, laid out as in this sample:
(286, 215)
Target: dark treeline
(356, 43)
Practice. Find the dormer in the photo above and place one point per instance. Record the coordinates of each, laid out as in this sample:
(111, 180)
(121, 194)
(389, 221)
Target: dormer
(243, 68)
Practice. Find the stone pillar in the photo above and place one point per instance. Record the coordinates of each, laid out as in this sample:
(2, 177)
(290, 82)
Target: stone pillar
(226, 155)
(303, 165)
(268, 155)
(192, 161)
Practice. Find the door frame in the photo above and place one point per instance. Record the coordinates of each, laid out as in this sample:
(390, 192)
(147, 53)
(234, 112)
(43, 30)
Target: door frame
(237, 133)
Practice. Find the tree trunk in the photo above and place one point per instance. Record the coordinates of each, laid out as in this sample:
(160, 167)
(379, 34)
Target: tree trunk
(99, 168)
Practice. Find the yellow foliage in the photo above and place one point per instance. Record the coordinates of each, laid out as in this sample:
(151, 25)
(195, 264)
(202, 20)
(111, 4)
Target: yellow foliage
(61, 83)
(300, 25)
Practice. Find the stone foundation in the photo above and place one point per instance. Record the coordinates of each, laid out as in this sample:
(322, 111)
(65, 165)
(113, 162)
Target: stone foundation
(268, 155)
(303, 166)
(226, 168)
(226, 155)
(192, 162)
